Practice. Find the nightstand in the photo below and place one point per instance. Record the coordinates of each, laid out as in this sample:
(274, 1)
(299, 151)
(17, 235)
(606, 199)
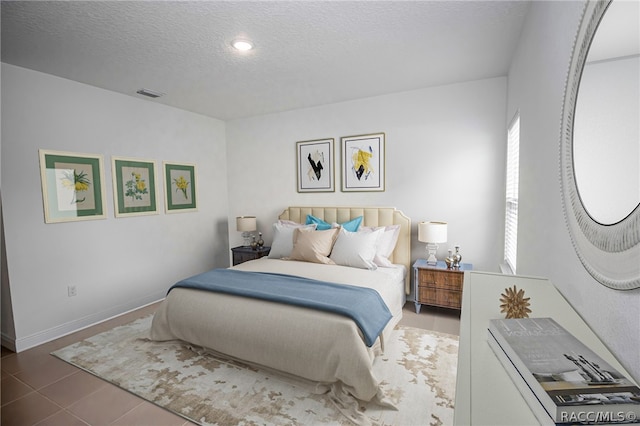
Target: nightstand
(436, 285)
(243, 253)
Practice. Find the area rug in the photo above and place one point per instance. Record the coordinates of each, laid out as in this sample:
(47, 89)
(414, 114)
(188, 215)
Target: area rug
(417, 371)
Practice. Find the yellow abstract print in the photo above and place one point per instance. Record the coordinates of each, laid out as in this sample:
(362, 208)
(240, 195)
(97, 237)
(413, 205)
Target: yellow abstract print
(362, 163)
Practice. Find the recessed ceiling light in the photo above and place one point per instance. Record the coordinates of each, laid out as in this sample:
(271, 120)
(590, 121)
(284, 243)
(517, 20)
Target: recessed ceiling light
(242, 45)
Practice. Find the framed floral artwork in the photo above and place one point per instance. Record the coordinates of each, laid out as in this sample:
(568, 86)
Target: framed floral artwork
(315, 166)
(180, 187)
(72, 186)
(134, 186)
(363, 163)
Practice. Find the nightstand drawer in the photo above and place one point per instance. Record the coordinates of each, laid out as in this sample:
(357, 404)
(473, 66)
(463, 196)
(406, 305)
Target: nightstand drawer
(438, 285)
(245, 254)
(441, 279)
(244, 257)
(439, 297)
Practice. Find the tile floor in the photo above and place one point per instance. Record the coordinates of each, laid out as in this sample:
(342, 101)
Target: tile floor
(39, 389)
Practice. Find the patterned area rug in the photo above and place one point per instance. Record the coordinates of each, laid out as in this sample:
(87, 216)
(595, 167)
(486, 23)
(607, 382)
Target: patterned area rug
(418, 374)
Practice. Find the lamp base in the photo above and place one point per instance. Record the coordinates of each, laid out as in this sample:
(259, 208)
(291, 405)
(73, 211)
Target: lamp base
(432, 248)
(247, 238)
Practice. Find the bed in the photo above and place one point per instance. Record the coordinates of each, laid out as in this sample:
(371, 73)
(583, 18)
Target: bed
(319, 346)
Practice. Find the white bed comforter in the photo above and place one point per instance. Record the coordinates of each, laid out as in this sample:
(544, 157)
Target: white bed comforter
(323, 347)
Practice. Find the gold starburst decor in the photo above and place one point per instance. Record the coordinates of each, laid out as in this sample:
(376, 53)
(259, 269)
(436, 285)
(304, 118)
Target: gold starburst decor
(514, 303)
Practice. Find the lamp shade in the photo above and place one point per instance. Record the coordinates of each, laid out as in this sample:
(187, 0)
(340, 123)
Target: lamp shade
(432, 232)
(246, 223)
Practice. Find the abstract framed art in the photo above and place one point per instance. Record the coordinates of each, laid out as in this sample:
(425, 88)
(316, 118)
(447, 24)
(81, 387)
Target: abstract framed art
(72, 186)
(316, 170)
(134, 187)
(180, 187)
(363, 163)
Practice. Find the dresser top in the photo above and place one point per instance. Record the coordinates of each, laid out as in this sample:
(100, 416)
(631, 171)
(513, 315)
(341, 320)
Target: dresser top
(249, 249)
(422, 264)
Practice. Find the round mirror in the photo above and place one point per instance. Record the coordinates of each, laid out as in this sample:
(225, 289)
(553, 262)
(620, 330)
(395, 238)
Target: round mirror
(600, 147)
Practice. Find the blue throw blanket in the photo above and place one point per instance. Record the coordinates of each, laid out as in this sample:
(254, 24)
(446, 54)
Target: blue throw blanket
(363, 305)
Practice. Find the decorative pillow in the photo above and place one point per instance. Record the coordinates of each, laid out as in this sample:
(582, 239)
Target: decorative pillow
(313, 246)
(386, 243)
(356, 249)
(321, 225)
(283, 238)
(351, 226)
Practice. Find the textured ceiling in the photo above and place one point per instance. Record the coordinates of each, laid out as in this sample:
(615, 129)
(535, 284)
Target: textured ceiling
(307, 53)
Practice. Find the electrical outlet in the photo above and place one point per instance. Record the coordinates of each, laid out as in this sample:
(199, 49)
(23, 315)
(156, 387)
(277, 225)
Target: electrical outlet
(72, 290)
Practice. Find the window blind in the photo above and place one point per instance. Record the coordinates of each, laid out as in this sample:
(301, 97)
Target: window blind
(511, 213)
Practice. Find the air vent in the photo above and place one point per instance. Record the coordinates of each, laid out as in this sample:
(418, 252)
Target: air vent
(149, 93)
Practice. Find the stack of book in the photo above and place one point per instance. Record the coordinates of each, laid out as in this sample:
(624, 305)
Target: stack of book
(562, 380)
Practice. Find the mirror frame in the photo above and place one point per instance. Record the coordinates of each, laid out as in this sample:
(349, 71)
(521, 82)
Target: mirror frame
(611, 253)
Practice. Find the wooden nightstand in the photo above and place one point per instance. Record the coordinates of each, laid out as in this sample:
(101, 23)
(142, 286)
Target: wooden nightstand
(242, 254)
(436, 285)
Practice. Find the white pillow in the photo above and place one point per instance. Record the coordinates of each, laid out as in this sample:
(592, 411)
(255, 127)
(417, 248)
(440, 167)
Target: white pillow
(386, 243)
(356, 249)
(283, 238)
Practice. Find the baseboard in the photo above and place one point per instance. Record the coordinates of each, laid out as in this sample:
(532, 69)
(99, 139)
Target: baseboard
(8, 342)
(22, 344)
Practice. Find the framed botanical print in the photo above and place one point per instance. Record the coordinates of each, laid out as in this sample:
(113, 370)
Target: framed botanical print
(72, 186)
(316, 170)
(363, 163)
(180, 187)
(134, 186)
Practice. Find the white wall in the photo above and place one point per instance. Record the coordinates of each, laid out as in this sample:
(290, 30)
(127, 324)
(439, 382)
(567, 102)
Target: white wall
(116, 264)
(6, 315)
(445, 153)
(536, 84)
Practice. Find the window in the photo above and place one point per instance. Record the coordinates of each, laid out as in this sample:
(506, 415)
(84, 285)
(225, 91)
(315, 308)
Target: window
(511, 213)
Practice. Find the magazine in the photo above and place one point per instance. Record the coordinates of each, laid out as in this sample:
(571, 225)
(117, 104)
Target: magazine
(571, 382)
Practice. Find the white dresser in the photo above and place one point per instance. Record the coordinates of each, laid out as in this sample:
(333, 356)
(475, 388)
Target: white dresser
(485, 394)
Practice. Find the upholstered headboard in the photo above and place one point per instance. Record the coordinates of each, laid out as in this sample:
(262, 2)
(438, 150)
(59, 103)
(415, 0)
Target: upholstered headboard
(372, 216)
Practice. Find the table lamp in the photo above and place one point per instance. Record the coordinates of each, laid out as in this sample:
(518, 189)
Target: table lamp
(432, 233)
(246, 225)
